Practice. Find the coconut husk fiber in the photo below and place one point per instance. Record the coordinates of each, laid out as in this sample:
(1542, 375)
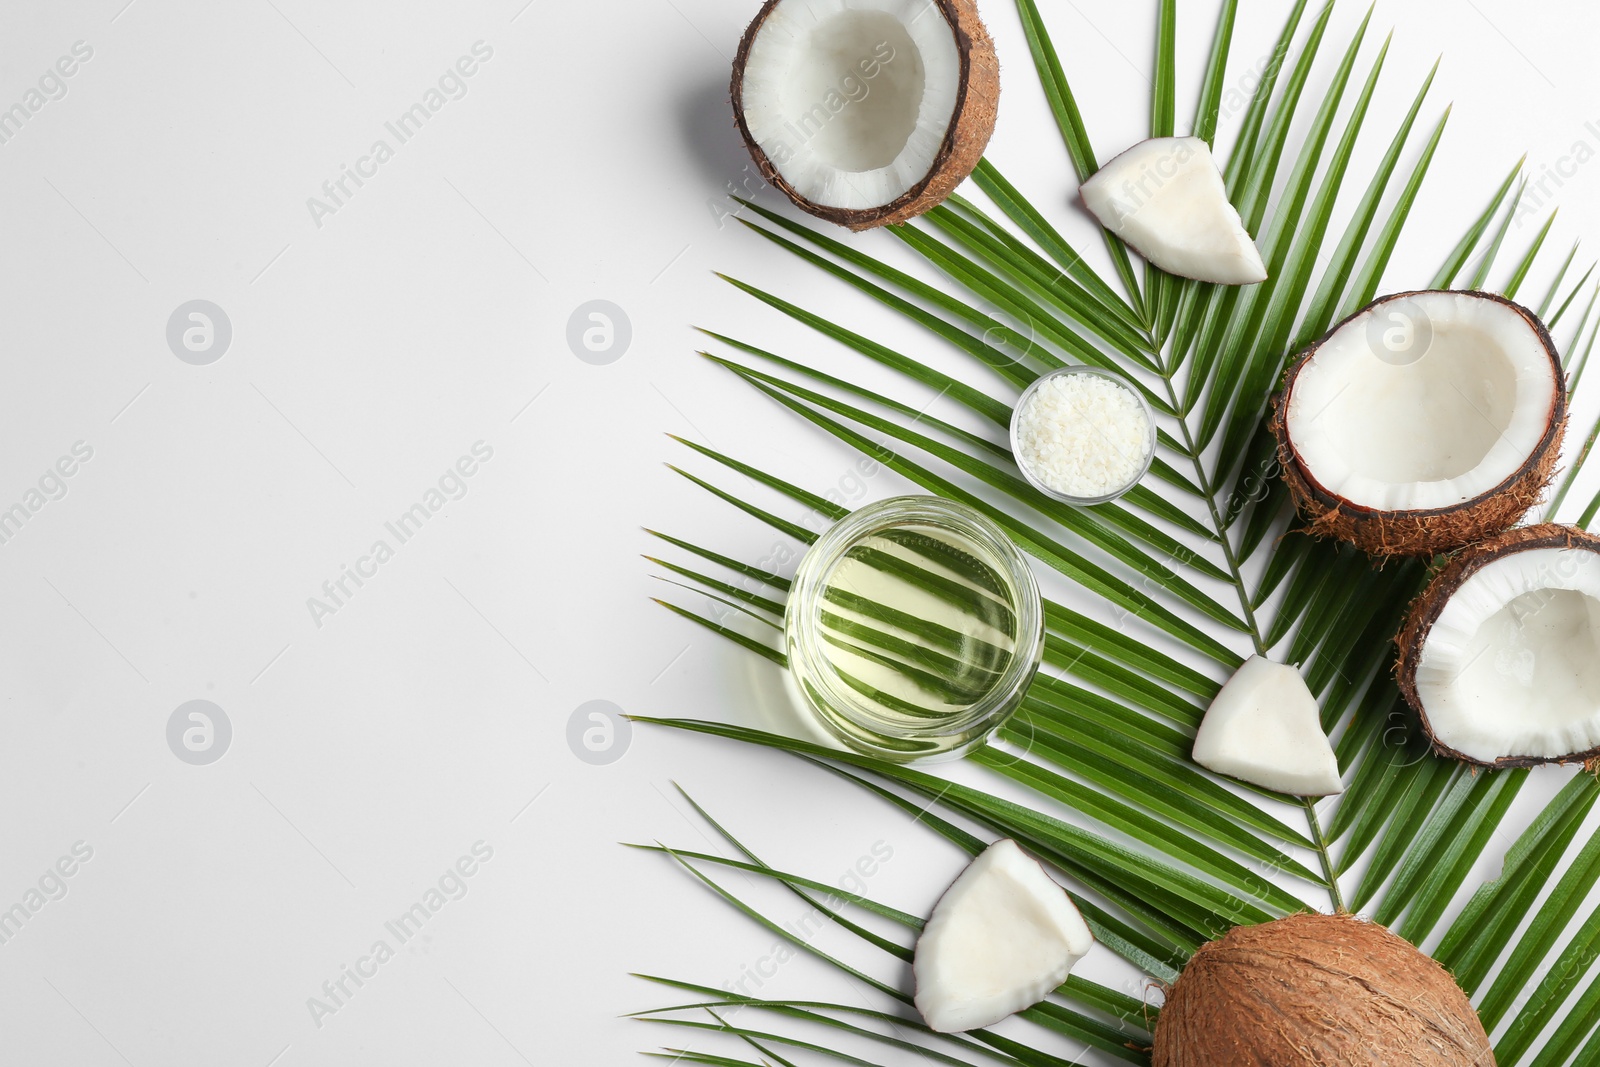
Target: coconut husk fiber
(1317, 991)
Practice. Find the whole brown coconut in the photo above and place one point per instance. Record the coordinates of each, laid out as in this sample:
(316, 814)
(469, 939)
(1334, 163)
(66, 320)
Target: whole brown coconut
(1430, 530)
(1317, 991)
(1433, 600)
(977, 98)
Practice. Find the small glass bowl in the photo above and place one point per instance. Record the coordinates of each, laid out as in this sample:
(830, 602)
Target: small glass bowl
(1066, 498)
(912, 731)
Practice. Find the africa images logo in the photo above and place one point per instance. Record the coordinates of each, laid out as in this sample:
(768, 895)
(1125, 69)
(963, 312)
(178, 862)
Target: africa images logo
(52, 486)
(51, 886)
(850, 90)
(452, 485)
(451, 885)
(52, 85)
(451, 85)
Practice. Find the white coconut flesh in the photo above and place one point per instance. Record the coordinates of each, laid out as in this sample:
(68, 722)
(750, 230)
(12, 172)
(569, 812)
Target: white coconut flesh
(1511, 665)
(851, 99)
(1165, 197)
(1000, 939)
(1263, 728)
(1423, 402)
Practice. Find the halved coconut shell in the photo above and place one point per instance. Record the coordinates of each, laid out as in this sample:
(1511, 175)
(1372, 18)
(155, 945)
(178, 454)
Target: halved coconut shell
(1500, 655)
(861, 114)
(1313, 991)
(1425, 421)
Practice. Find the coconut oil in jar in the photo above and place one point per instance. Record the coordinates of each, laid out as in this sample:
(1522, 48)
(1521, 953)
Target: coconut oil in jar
(914, 627)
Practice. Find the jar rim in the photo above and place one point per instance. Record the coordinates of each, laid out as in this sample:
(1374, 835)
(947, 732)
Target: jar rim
(803, 629)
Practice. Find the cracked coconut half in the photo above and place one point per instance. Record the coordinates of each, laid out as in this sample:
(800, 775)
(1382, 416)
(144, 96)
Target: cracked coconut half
(1500, 655)
(1424, 422)
(866, 112)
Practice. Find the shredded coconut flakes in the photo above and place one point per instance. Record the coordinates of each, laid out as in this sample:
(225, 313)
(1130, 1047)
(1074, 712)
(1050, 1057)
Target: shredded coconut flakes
(1083, 435)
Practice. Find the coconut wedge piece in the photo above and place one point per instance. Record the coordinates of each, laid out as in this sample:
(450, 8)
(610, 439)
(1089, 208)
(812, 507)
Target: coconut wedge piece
(1263, 728)
(866, 112)
(1424, 422)
(1500, 655)
(1000, 939)
(1165, 197)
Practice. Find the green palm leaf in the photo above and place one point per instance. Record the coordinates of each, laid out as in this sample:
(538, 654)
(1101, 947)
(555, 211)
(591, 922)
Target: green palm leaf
(1159, 853)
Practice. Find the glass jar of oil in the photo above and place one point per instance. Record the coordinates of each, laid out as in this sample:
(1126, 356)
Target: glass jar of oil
(914, 627)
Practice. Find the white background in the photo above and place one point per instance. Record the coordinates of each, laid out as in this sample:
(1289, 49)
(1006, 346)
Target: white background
(368, 353)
